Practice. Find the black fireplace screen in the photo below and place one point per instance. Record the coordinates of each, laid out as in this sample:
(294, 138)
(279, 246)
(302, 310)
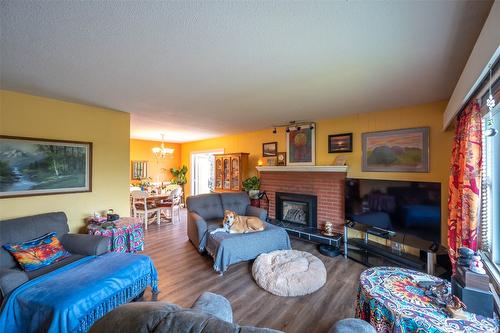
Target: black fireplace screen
(296, 208)
(295, 212)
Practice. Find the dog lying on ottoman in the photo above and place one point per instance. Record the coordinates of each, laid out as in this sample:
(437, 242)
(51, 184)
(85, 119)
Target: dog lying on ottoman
(206, 214)
(236, 224)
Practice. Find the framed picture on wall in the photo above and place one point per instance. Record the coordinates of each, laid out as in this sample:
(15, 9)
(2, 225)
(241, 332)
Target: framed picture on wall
(269, 149)
(301, 145)
(139, 170)
(30, 166)
(340, 143)
(404, 150)
(281, 159)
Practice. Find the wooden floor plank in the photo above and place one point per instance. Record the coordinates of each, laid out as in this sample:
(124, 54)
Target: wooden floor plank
(184, 274)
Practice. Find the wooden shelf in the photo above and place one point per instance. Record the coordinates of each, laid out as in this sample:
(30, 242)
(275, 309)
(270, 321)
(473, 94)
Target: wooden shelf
(303, 168)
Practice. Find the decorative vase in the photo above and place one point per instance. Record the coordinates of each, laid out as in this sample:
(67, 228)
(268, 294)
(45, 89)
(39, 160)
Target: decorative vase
(253, 194)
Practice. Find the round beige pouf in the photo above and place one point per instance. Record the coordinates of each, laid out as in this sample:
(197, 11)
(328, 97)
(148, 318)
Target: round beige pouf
(289, 272)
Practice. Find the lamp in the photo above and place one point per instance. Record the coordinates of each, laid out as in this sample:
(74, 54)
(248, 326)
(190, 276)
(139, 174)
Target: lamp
(162, 151)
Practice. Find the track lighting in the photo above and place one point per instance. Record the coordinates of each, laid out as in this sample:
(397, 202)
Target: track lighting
(293, 126)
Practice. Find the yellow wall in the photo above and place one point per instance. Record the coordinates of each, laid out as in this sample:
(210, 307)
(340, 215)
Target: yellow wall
(430, 115)
(141, 150)
(108, 130)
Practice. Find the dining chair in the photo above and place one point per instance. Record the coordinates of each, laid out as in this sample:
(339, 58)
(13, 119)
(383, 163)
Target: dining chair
(172, 205)
(142, 208)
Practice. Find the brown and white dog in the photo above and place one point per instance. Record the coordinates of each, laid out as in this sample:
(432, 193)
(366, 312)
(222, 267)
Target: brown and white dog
(234, 223)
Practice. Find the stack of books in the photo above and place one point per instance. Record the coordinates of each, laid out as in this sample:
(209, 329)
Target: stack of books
(469, 279)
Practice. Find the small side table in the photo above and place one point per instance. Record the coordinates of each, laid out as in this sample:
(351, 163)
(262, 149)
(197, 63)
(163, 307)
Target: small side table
(126, 236)
(391, 301)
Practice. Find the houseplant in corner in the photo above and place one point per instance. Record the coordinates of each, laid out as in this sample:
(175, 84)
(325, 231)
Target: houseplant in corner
(252, 187)
(179, 177)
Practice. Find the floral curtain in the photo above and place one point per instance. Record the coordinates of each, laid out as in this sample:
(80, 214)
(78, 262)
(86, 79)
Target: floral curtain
(465, 182)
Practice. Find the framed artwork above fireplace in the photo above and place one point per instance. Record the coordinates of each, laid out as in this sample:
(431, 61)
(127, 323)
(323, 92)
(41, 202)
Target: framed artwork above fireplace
(301, 146)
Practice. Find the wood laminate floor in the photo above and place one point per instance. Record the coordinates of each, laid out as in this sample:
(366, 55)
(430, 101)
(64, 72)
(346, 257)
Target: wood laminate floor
(184, 274)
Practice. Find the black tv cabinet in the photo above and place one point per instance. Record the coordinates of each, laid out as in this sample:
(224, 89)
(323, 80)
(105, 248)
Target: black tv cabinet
(359, 247)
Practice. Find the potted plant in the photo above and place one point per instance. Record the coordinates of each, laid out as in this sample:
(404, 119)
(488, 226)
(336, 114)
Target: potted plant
(145, 183)
(252, 186)
(179, 177)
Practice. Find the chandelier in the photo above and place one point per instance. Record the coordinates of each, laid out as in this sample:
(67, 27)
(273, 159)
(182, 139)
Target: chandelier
(162, 151)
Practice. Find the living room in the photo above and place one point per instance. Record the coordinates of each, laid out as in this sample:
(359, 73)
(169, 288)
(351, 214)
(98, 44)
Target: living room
(263, 166)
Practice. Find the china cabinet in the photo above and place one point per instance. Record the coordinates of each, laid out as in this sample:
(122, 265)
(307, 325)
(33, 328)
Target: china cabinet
(230, 171)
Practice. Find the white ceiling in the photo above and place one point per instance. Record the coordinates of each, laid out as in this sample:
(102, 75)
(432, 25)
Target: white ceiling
(199, 69)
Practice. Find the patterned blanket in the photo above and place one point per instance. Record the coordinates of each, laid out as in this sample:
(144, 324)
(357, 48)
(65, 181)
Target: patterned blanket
(73, 297)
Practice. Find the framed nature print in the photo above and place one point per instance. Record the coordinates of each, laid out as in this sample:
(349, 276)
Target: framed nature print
(340, 143)
(301, 146)
(30, 166)
(139, 170)
(404, 150)
(269, 149)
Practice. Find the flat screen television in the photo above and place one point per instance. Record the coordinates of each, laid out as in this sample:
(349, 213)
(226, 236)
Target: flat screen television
(403, 206)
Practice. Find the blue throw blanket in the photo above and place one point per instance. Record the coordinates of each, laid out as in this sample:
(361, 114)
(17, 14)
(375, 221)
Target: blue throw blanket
(73, 297)
(228, 249)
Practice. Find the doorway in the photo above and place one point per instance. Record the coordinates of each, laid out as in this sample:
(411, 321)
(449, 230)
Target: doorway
(202, 165)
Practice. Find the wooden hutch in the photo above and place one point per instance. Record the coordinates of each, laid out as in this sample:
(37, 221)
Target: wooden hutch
(230, 171)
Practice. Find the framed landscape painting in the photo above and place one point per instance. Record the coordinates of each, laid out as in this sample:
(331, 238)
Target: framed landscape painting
(340, 143)
(404, 150)
(30, 166)
(269, 149)
(301, 146)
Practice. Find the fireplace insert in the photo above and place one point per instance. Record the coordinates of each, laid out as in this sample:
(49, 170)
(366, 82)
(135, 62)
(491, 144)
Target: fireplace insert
(299, 209)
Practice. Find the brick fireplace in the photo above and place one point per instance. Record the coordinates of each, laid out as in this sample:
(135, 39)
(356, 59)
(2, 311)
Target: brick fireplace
(327, 183)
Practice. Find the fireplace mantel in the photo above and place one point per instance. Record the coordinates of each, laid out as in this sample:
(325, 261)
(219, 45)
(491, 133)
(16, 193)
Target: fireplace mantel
(303, 168)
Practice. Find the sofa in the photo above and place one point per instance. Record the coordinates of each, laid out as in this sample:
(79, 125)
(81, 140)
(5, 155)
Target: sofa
(29, 227)
(206, 212)
(71, 294)
(210, 313)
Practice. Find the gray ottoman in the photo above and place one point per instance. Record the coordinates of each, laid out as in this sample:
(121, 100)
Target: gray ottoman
(351, 325)
(227, 249)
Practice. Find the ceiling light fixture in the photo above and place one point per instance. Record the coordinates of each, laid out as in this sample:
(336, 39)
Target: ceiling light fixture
(162, 151)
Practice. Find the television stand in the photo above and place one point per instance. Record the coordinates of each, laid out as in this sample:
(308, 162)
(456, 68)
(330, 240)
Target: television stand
(377, 252)
(327, 245)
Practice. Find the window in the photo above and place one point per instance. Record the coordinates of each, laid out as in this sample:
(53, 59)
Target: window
(490, 191)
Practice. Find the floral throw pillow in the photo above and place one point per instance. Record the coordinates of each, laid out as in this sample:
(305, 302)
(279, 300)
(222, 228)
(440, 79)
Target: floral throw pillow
(38, 252)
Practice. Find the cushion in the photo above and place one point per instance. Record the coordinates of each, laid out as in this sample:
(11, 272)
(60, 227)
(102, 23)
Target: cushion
(38, 252)
(215, 305)
(20, 229)
(352, 325)
(208, 206)
(289, 272)
(237, 202)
